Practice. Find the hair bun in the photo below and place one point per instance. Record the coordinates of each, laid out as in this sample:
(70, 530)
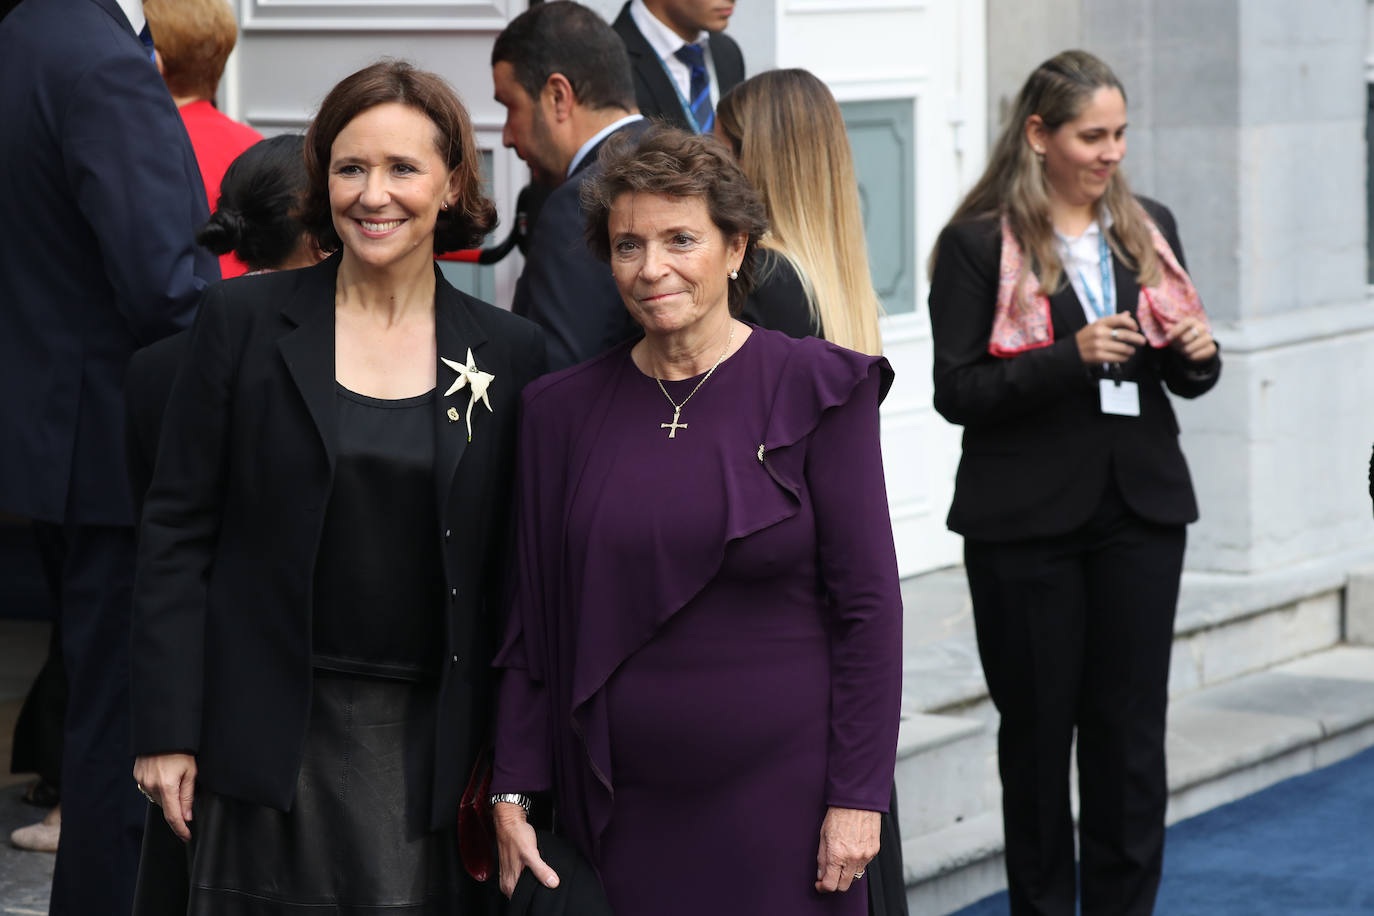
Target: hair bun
(224, 231)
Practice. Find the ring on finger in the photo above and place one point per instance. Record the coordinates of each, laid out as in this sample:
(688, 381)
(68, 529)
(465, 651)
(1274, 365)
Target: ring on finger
(859, 873)
(1113, 333)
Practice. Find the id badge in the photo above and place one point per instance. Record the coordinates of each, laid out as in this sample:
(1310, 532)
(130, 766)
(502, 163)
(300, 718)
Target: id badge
(1120, 398)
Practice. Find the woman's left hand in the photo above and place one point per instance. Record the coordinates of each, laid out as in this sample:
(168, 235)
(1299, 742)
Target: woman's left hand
(849, 841)
(1191, 338)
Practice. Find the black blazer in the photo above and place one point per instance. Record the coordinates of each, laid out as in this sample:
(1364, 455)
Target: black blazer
(1037, 448)
(147, 386)
(106, 261)
(654, 91)
(778, 300)
(564, 288)
(232, 521)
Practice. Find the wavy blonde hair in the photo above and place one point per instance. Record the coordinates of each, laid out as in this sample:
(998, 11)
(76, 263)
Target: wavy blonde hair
(1014, 181)
(788, 133)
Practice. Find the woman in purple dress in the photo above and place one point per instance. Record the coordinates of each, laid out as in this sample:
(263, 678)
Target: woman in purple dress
(703, 663)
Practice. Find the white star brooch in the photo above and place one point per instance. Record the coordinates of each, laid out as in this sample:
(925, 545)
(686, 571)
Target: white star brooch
(474, 379)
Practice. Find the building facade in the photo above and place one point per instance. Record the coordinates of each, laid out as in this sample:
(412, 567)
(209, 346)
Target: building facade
(1247, 119)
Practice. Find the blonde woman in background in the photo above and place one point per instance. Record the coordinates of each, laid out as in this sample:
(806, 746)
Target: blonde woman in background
(789, 137)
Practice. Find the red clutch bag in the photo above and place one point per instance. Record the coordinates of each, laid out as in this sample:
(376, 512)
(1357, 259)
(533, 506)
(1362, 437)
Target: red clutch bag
(476, 830)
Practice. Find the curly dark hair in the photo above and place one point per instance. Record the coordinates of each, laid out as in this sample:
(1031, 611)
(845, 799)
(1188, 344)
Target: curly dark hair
(674, 163)
(462, 226)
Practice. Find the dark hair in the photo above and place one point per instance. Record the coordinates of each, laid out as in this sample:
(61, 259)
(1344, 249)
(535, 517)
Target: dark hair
(674, 163)
(568, 38)
(258, 199)
(463, 225)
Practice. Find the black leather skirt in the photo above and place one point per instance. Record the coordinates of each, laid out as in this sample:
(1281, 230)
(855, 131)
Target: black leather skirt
(355, 840)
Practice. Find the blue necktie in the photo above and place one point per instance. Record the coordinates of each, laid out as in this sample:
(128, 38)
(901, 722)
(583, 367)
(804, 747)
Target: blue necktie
(700, 91)
(146, 36)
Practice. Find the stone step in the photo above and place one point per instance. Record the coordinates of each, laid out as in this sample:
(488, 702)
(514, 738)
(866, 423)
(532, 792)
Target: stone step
(942, 772)
(1224, 629)
(1227, 625)
(1224, 741)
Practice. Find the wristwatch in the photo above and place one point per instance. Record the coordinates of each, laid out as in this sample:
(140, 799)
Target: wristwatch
(514, 798)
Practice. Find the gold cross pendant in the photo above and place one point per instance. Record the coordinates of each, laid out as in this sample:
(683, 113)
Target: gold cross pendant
(674, 426)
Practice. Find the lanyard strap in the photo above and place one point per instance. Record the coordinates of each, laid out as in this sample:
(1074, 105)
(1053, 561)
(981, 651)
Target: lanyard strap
(1104, 262)
(681, 99)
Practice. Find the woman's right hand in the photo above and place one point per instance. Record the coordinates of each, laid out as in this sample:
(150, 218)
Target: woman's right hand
(169, 781)
(1109, 340)
(517, 849)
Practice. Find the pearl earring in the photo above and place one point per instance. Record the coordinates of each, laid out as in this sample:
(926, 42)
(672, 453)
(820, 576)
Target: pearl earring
(734, 275)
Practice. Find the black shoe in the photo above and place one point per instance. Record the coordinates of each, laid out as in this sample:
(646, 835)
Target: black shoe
(41, 795)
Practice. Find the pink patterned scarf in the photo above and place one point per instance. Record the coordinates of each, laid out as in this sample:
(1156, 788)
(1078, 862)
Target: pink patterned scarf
(1022, 319)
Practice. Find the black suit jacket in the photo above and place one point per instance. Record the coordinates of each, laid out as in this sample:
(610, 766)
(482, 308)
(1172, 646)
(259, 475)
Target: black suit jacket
(146, 390)
(232, 522)
(654, 91)
(96, 168)
(1037, 447)
(564, 288)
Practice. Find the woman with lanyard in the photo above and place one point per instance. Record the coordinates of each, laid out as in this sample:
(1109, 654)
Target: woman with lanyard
(1061, 310)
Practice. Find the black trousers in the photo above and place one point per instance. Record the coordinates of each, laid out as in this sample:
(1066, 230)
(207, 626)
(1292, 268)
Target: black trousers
(102, 812)
(38, 730)
(1075, 633)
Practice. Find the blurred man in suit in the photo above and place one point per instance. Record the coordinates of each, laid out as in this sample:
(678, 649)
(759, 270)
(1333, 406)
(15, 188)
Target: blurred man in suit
(102, 180)
(682, 61)
(557, 130)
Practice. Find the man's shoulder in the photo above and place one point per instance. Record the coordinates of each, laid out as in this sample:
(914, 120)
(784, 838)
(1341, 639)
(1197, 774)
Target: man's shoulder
(590, 166)
(720, 41)
(64, 33)
(624, 23)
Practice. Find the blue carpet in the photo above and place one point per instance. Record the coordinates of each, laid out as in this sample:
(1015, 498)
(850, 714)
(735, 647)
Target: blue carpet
(1303, 846)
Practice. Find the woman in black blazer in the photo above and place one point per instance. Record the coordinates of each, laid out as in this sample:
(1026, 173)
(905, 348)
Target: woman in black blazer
(1061, 310)
(323, 544)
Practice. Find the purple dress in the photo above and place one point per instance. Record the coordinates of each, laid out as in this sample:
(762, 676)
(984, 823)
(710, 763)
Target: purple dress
(689, 612)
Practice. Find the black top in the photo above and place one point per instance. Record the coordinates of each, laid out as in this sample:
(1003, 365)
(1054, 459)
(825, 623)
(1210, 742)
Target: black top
(233, 522)
(778, 301)
(378, 585)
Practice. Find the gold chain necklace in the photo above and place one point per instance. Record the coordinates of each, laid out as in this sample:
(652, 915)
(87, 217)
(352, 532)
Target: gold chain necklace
(674, 426)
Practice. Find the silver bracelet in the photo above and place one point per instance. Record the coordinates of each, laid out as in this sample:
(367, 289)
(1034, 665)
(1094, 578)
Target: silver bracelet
(514, 798)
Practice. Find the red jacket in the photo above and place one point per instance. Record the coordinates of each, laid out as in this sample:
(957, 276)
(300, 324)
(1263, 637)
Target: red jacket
(217, 140)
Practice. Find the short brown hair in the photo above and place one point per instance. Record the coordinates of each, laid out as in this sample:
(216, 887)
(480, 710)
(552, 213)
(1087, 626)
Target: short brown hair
(462, 226)
(194, 38)
(674, 163)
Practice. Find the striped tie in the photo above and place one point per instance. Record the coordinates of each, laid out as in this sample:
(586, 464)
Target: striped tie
(700, 90)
